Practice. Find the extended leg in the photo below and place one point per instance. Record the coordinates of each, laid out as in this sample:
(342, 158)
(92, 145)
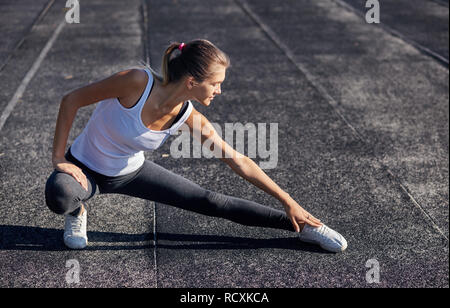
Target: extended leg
(161, 185)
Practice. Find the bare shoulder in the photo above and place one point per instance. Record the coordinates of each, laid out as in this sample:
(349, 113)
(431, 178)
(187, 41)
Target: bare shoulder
(137, 76)
(122, 85)
(135, 81)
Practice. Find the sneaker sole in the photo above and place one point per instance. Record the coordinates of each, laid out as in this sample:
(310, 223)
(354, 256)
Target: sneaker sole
(76, 248)
(344, 247)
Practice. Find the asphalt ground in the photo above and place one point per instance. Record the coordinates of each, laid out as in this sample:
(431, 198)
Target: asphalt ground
(362, 143)
(422, 23)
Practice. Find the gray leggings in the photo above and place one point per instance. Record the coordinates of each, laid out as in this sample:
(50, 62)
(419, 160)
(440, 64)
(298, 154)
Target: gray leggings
(63, 195)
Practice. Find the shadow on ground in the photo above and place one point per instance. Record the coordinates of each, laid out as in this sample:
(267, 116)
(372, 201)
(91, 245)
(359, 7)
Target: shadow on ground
(45, 239)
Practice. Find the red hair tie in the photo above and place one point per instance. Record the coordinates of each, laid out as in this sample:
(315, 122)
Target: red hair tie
(181, 46)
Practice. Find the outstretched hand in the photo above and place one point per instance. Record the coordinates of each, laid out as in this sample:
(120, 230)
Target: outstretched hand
(299, 215)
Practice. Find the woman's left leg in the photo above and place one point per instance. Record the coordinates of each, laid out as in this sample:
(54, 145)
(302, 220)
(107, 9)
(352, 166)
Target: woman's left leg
(154, 182)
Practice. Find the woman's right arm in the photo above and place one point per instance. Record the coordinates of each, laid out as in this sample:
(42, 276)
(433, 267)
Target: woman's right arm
(66, 115)
(119, 85)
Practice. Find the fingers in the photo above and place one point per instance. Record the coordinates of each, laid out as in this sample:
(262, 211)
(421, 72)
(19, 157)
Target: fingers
(298, 215)
(75, 172)
(317, 221)
(81, 178)
(84, 183)
(313, 223)
(312, 218)
(295, 224)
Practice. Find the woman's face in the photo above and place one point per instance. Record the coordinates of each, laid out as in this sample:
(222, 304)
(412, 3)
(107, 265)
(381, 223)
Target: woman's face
(205, 91)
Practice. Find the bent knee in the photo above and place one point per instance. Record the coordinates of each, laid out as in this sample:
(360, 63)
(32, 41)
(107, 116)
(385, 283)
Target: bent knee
(60, 195)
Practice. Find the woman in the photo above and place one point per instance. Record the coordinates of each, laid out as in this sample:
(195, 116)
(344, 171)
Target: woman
(137, 111)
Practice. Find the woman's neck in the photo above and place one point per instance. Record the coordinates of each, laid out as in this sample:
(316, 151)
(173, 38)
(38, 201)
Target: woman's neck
(167, 98)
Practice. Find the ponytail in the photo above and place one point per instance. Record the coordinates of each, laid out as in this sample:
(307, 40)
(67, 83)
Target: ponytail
(165, 63)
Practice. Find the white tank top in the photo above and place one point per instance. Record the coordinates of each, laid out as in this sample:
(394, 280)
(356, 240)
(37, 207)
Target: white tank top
(115, 138)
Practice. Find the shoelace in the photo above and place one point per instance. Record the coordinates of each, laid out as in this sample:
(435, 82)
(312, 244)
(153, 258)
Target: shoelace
(323, 232)
(76, 223)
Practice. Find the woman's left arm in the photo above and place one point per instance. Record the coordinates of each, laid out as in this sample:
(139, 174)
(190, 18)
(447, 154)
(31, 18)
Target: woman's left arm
(247, 168)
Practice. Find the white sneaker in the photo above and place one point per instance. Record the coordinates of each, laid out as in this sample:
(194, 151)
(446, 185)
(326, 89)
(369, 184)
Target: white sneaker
(327, 238)
(75, 236)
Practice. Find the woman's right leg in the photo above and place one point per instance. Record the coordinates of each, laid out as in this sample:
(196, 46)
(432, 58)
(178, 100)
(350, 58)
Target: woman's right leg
(63, 194)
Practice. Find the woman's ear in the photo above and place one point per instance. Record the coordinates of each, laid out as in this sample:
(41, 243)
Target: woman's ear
(190, 82)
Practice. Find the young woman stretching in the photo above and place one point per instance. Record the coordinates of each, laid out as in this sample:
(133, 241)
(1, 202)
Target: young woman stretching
(137, 111)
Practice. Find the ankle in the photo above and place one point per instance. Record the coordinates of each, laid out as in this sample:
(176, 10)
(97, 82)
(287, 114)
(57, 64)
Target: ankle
(78, 212)
(82, 209)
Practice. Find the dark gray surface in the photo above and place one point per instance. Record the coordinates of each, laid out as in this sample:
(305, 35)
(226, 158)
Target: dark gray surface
(17, 19)
(390, 93)
(120, 229)
(322, 164)
(396, 98)
(423, 22)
